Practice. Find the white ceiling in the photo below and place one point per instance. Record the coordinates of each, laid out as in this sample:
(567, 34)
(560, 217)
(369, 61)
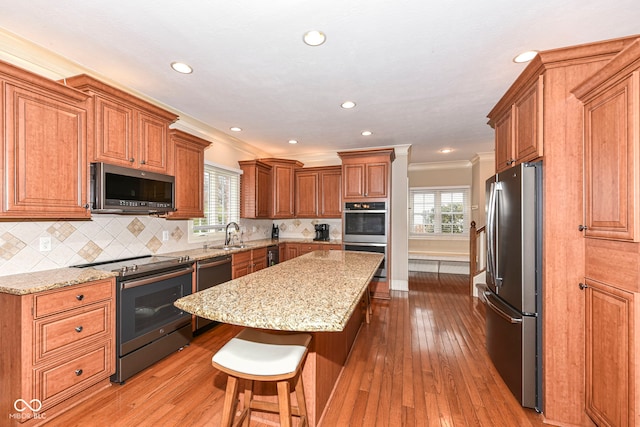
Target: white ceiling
(422, 72)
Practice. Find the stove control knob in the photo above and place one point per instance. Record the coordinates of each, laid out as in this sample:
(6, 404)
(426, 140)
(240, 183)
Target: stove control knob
(124, 269)
(134, 267)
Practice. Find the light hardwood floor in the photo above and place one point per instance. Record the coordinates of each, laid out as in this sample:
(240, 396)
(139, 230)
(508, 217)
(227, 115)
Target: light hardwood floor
(421, 362)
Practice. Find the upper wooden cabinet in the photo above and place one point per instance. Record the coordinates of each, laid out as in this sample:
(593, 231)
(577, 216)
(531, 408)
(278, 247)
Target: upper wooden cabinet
(318, 192)
(43, 158)
(129, 131)
(255, 189)
(611, 145)
(366, 174)
(518, 127)
(283, 186)
(187, 161)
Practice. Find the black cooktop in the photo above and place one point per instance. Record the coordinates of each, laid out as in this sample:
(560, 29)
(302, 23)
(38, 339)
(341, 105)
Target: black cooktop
(138, 265)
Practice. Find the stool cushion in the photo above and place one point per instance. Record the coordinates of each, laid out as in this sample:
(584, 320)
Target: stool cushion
(255, 352)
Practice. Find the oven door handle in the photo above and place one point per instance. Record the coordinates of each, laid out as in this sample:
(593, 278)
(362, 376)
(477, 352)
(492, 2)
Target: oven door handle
(372, 211)
(145, 281)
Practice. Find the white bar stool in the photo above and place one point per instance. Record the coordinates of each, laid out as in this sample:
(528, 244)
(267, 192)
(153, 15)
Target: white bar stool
(259, 356)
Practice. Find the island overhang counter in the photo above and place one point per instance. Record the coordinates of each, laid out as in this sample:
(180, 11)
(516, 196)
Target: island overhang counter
(323, 292)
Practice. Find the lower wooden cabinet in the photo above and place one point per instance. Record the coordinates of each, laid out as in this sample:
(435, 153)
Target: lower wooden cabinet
(612, 384)
(243, 263)
(57, 348)
(293, 249)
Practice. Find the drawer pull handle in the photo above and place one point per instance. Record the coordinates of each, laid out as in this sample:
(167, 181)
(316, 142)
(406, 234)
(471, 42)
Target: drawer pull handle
(78, 329)
(80, 297)
(78, 372)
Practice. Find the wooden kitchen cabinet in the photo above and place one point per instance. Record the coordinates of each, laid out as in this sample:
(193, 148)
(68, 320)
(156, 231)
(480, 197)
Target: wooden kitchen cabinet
(58, 347)
(255, 189)
(187, 163)
(318, 192)
(283, 186)
(246, 262)
(612, 170)
(129, 131)
(518, 135)
(366, 175)
(612, 340)
(43, 158)
(538, 109)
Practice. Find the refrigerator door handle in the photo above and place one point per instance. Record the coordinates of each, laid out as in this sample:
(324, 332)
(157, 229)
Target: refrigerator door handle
(496, 309)
(491, 230)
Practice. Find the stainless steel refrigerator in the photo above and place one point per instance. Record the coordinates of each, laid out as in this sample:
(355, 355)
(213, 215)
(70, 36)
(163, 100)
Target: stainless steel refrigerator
(514, 274)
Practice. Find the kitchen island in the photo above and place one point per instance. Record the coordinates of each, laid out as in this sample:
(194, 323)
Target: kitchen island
(323, 292)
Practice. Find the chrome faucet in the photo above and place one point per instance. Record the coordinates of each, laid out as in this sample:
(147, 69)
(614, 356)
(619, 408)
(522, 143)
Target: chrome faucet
(227, 237)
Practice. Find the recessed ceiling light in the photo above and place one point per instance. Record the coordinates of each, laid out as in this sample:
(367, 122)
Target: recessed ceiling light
(525, 56)
(366, 133)
(348, 104)
(446, 150)
(181, 67)
(235, 129)
(314, 38)
(293, 141)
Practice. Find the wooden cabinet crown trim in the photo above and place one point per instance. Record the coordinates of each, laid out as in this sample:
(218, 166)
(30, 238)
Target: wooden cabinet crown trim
(558, 58)
(615, 70)
(87, 83)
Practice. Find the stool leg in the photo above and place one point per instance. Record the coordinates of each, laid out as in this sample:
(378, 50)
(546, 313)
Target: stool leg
(302, 403)
(229, 408)
(284, 403)
(248, 395)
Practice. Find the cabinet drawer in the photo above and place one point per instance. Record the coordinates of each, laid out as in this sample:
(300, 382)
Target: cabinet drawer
(73, 297)
(241, 258)
(55, 383)
(60, 333)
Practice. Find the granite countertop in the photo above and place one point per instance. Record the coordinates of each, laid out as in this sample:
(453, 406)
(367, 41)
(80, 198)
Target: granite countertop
(38, 281)
(315, 292)
(30, 283)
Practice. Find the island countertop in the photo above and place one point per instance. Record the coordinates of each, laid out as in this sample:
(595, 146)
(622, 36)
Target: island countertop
(315, 292)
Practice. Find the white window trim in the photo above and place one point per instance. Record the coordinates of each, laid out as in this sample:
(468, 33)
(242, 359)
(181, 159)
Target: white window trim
(213, 235)
(467, 214)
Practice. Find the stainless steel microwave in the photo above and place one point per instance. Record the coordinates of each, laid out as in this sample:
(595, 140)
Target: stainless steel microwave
(116, 189)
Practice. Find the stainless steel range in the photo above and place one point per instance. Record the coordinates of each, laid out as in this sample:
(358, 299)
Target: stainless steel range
(148, 325)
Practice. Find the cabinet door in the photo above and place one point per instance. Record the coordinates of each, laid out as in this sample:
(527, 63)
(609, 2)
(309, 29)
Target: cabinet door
(609, 355)
(330, 194)
(527, 114)
(115, 124)
(189, 173)
(353, 180)
(377, 177)
(306, 194)
(255, 189)
(263, 192)
(283, 182)
(44, 142)
(504, 142)
(152, 143)
(292, 250)
(611, 164)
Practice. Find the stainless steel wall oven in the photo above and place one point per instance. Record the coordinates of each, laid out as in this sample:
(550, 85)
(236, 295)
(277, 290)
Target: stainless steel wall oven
(365, 222)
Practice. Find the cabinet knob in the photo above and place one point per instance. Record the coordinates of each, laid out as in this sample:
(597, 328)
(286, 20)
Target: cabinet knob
(132, 160)
(582, 227)
(78, 329)
(86, 206)
(142, 162)
(582, 286)
(510, 162)
(78, 372)
(80, 297)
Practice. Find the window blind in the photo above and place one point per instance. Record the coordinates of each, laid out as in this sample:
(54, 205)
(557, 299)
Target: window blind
(221, 199)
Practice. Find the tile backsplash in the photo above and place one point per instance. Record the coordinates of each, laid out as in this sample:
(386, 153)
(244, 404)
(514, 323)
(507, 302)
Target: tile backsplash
(29, 245)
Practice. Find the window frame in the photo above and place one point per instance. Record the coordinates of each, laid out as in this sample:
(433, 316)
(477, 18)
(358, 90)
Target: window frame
(216, 231)
(438, 190)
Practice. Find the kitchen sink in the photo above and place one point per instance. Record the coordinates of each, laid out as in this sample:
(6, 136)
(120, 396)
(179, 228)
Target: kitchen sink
(229, 247)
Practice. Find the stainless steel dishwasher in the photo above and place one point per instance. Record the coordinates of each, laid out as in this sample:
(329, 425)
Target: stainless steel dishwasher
(209, 273)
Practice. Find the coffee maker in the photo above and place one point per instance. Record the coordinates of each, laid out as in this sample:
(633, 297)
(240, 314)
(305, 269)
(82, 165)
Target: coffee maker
(322, 232)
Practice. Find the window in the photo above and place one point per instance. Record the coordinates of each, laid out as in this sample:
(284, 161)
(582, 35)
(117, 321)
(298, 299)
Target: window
(439, 212)
(221, 201)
